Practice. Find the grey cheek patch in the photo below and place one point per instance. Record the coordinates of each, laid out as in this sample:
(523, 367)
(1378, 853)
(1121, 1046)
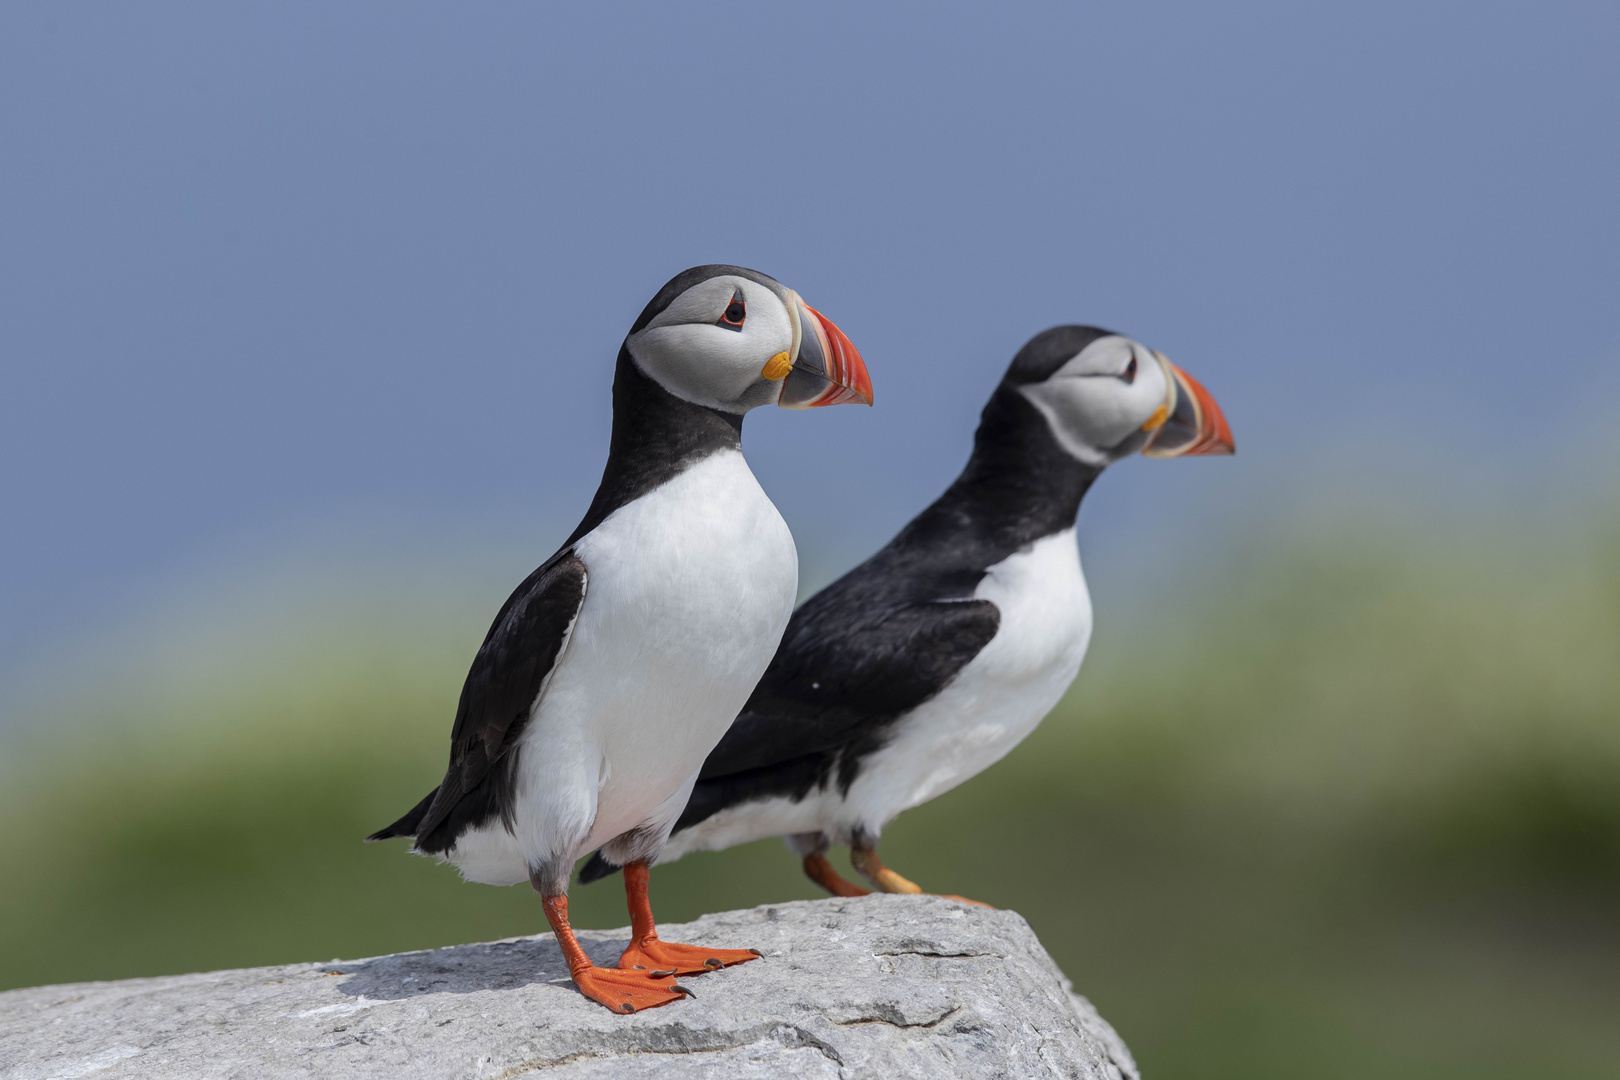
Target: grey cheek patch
(1129, 445)
(1036, 395)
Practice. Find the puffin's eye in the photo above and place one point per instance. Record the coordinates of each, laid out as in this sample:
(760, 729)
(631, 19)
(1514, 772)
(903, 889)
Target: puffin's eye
(735, 312)
(1129, 374)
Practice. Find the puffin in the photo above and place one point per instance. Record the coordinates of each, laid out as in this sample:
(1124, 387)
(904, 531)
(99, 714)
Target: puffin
(612, 670)
(931, 660)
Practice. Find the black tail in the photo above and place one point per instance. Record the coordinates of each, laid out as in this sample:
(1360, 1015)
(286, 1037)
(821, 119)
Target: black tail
(597, 869)
(405, 826)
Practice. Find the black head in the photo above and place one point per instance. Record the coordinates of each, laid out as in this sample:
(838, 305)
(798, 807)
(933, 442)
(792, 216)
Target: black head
(1046, 352)
(732, 339)
(1106, 396)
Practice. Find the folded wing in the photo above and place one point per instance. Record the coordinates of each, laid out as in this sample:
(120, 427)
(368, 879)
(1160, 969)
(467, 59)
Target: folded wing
(507, 678)
(839, 683)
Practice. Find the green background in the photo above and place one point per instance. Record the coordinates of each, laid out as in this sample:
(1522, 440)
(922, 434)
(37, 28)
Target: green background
(1342, 803)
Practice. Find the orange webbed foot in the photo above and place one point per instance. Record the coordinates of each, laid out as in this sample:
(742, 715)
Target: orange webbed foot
(867, 862)
(620, 991)
(627, 991)
(662, 958)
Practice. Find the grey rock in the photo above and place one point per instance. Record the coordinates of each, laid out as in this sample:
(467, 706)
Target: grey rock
(880, 986)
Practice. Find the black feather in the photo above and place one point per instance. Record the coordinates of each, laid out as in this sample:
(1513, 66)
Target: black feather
(596, 869)
(497, 698)
(884, 638)
(405, 826)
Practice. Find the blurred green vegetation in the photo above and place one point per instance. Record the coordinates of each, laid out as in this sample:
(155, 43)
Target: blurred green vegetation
(1341, 806)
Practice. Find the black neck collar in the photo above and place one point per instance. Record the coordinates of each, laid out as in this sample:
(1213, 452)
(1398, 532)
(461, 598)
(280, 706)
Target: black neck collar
(1018, 487)
(656, 436)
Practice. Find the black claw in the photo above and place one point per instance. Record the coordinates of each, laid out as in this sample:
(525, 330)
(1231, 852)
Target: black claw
(713, 962)
(684, 990)
(757, 953)
(661, 974)
(627, 1007)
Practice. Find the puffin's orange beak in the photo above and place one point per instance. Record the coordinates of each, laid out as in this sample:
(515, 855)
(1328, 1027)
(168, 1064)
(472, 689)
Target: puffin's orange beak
(826, 368)
(1189, 422)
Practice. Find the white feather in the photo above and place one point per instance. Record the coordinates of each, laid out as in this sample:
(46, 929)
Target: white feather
(996, 700)
(690, 589)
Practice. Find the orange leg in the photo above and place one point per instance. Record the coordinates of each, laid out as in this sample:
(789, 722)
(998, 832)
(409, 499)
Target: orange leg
(662, 958)
(621, 991)
(820, 871)
(873, 870)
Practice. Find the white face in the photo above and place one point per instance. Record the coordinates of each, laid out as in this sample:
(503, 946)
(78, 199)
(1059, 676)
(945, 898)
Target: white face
(1101, 397)
(696, 352)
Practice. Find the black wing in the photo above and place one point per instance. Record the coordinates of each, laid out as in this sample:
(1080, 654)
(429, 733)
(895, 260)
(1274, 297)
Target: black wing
(507, 676)
(845, 672)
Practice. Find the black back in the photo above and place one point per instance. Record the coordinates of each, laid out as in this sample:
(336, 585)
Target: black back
(894, 631)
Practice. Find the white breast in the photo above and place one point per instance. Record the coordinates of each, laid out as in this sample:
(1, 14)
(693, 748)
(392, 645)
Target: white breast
(689, 590)
(997, 699)
(993, 703)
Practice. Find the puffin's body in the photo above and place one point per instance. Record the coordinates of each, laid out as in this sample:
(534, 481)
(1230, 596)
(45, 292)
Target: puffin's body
(611, 672)
(1032, 614)
(694, 577)
(930, 661)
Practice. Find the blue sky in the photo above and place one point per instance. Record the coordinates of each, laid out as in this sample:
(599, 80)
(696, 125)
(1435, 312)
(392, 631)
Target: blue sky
(271, 274)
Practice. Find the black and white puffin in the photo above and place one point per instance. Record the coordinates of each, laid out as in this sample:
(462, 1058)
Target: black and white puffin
(612, 671)
(931, 660)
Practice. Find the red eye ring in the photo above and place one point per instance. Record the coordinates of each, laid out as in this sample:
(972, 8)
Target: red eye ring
(736, 311)
(1129, 374)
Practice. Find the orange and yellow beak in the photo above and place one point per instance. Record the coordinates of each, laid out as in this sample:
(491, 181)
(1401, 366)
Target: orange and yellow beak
(824, 367)
(1189, 422)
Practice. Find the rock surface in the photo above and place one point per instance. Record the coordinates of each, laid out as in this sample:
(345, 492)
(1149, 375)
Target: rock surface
(880, 986)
